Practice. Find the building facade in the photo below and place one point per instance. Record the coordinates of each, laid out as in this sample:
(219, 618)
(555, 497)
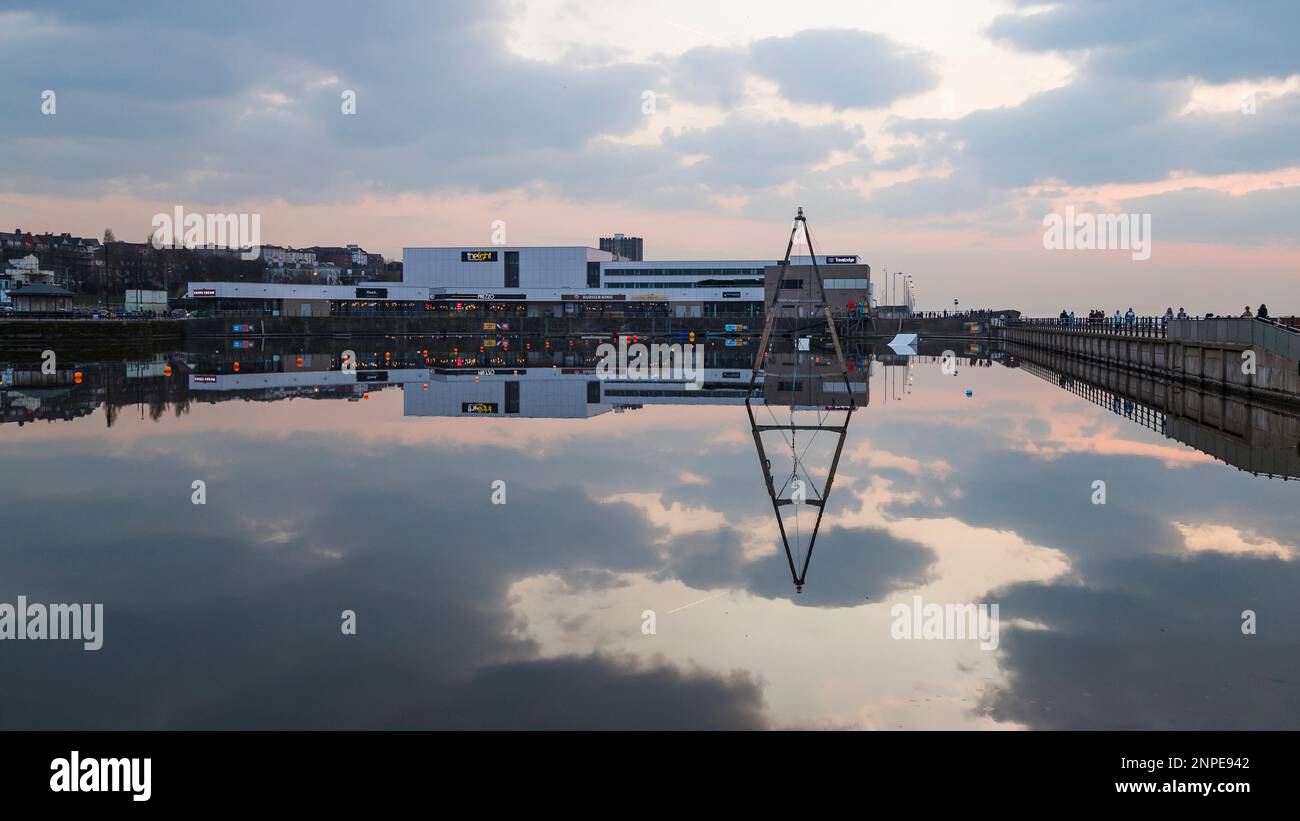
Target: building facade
(560, 281)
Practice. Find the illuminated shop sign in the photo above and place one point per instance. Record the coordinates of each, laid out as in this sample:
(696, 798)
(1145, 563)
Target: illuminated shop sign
(203, 292)
(592, 297)
(205, 379)
(516, 297)
(478, 407)
(842, 260)
(372, 293)
(478, 256)
(731, 294)
(372, 376)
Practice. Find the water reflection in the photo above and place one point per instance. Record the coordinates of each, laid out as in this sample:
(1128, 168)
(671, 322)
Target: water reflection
(529, 613)
(1251, 435)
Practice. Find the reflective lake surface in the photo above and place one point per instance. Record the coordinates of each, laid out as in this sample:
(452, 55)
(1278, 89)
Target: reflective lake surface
(635, 575)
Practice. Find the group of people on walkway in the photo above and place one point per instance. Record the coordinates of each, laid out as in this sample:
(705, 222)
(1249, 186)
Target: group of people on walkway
(1098, 316)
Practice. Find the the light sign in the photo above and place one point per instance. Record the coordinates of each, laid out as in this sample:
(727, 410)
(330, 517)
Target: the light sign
(478, 256)
(478, 407)
(446, 297)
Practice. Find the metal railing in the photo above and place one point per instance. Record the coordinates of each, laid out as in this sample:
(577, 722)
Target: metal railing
(1141, 326)
(1147, 416)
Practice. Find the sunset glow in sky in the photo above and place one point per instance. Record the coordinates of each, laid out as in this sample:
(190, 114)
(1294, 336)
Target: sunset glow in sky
(928, 137)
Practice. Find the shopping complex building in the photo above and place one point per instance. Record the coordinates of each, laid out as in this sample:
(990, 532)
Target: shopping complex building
(555, 281)
(538, 392)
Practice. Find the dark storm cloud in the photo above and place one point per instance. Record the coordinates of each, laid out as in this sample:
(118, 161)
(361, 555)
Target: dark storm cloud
(260, 95)
(1140, 634)
(1121, 118)
(185, 102)
(850, 565)
(1095, 131)
(1048, 501)
(227, 615)
(601, 694)
(1154, 642)
(1156, 40)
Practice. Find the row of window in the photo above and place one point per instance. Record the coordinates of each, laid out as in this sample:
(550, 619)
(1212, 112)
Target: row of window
(706, 283)
(734, 393)
(692, 272)
(829, 284)
(828, 386)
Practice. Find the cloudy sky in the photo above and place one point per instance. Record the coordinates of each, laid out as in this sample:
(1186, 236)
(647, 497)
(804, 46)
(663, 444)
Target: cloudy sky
(928, 137)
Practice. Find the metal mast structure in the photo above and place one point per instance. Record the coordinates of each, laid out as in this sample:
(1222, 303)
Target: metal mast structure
(795, 491)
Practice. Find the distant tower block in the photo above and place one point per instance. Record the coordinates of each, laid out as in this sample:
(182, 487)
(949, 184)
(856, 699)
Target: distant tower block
(623, 248)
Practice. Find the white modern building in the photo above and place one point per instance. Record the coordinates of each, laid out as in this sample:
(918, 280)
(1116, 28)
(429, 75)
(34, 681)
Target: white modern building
(533, 392)
(553, 281)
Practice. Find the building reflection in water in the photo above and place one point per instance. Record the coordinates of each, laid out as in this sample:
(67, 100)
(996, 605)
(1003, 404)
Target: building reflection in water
(443, 380)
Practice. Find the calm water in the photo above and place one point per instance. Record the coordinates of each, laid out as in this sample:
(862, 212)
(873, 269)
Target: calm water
(532, 613)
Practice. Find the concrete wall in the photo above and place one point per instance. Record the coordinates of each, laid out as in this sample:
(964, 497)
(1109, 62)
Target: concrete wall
(1191, 352)
(1253, 436)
